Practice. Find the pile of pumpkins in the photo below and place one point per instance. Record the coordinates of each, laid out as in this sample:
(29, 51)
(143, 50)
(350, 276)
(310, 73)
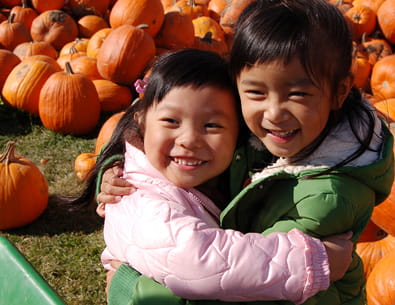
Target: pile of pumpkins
(67, 61)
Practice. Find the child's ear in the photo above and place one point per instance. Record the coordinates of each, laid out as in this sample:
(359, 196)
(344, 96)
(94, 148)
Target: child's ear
(343, 91)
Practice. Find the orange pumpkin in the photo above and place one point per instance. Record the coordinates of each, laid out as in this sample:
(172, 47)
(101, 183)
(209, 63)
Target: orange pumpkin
(382, 80)
(231, 13)
(47, 5)
(87, 66)
(23, 190)
(372, 252)
(12, 33)
(10, 3)
(54, 26)
(190, 7)
(176, 33)
(79, 44)
(24, 14)
(23, 85)
(69, 103)
(27, 49)
(386, 109)
(90, 24)
(112, 97)
(372, 4)
(8, 60)
(149, 12)
(385, 19)
(372, 232)
(361, 19)
(67, 57)
(83, 165)
(375, 48)
(95, 42)
(106, 131)
(125, 53)
(215, 8)
(384, 213)
(380, 286)
(45, 58)
(80, 8)
(361, 69)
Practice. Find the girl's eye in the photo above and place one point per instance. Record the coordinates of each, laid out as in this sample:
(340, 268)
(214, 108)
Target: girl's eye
(298, 93)
(170, 121)
(213, 125)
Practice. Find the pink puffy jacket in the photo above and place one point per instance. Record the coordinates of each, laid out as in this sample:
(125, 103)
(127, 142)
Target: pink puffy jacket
(172, 235)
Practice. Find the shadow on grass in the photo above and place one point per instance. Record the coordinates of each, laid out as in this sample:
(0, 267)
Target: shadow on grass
(58, 218)
(14, 122)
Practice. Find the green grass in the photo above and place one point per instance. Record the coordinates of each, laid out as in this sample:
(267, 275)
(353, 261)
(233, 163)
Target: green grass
(63, 246)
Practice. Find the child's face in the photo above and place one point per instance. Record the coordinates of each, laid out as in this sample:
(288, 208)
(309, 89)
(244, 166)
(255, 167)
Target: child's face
(190, 136)
(282, 106)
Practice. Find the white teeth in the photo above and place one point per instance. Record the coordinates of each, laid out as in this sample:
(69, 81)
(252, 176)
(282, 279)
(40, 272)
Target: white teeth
(284, 134)
(184, 162)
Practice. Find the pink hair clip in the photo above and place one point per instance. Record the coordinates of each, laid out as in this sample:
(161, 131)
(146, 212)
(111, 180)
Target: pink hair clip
(140, 85)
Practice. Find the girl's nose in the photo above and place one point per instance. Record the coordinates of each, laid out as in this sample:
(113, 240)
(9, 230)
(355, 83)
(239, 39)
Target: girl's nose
(274, 110)
(190, 138)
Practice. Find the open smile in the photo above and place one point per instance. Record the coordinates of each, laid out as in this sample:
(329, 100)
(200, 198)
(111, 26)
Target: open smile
(283, 134)
(187, 161)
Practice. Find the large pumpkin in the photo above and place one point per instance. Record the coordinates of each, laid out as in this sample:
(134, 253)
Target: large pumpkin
(382, 79)
(106, 131)
(125, 53)
(149, 12)
(380, 286)
(384, 214)
(23, 85)
(8, 60)
(373, 252)
(23, 190)
(30, 48)
(113, 97)
(386, 20)
(69, 103)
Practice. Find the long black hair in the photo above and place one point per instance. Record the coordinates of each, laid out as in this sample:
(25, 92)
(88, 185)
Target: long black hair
(187, 67)
(315, 32)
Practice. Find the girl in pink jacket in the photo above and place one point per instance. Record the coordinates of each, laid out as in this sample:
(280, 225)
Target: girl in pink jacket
(177, 141)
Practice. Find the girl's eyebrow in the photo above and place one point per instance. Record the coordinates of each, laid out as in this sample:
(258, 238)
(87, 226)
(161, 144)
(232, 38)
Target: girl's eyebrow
(304, 81)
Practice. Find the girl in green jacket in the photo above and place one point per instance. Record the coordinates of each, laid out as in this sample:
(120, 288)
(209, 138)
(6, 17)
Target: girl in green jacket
(332, 156)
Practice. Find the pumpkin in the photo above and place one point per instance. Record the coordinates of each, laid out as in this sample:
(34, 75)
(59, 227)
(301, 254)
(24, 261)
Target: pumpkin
(69, 103)
(27, 49)
(231, 13)
(215, 8)
(87, 66)
(90, 24)
(385, 19)
(361, 69)
(125, 53)
(79, 45)
(203, 25)
(177, 32)
(95, 42)
(386, 109)
(10, 3)
(374, 48)
(45, 58)
(23, 190)
(8, 60)
(106, 131)
(47, 5)
(24, 14)
(384, 214)
(12, 33)
(83, 165)
(54, 26)
(149, 12)
(361, 19)
(167, 4)
(372, 232)
(372, 4)
(190, 7)
(382, 79)
(22, 86)
(67, 57)
(380, 285)
(80, 8)
(372, 252)
(112, 97)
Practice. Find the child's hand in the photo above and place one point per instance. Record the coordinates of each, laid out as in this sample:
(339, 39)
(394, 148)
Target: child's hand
(114, 264)
(339, 248)
(113, 187)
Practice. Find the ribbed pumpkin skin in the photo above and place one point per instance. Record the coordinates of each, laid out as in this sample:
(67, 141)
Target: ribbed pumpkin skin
(124, 54)
(106, 130)
(69, 104)
(23, 191)
(22, 86)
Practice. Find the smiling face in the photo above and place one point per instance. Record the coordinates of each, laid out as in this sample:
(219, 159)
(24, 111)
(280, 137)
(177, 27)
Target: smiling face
(191, 134)
(282, 107)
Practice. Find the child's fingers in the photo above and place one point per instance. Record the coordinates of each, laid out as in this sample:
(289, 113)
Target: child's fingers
(106, 198)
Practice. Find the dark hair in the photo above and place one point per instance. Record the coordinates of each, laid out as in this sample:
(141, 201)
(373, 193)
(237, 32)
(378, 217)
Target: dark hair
(315, 32)
(187, 67)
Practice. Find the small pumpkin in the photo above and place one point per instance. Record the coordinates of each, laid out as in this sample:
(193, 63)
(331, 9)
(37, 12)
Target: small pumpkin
(215, 8)
(24, 14)
(8, 60)
(375, 48)
(30, 48)
(87, 66)
(386, 109)
(380, 285)
(90, 24)
(83, 165)
(372, 4)
(112, 96)
(69, 103)
(79, 44)
(54, 26)
(190, 7)
(23, 190)
(385, 19)
(372, 232)
(13, 33)
(47, 5)
(80, 8)
(95, 42)
(107, 130)
(361, 69)
(68, 57)
(361, 19)
(125, 53)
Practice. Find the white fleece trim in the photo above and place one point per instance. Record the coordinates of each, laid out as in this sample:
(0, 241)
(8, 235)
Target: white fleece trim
(339, 144)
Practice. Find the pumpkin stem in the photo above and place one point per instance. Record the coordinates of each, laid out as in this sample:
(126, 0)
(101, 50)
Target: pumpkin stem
(8, 156)
(208, 37)
(24, 4)
(68, 68)
(143, 26)
(191, 3)
(11, 18)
